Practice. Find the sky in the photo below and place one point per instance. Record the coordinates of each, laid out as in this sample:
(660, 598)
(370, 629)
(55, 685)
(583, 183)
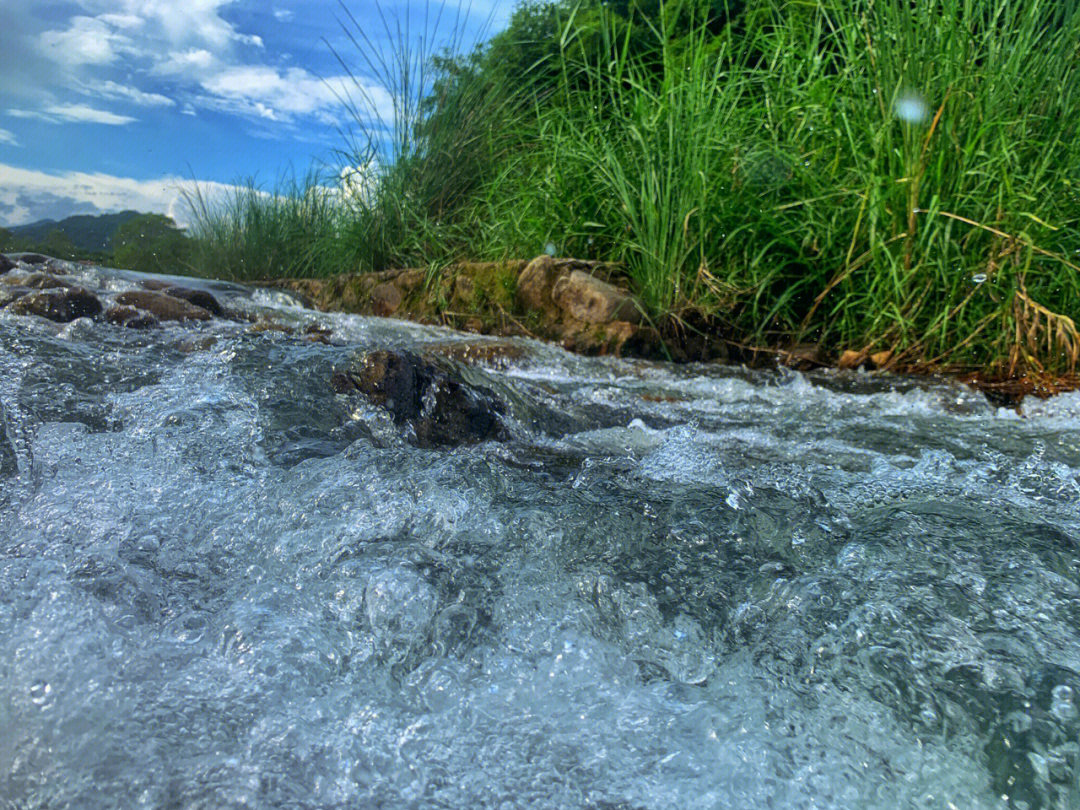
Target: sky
(108, 105)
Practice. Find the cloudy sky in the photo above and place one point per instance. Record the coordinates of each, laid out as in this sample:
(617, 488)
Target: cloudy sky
(114, 104)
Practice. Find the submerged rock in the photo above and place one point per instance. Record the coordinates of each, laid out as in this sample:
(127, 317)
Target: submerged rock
(130, 317)
(200, 298)
(44, 281)
(62, 305)
(9, 293)
(33, 258)
(441, 411)
(164, 307)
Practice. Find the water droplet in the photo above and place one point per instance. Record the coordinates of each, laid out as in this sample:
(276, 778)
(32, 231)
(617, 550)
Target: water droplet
(40, 692)
(911, 108)
(550, 249)
(979, 278)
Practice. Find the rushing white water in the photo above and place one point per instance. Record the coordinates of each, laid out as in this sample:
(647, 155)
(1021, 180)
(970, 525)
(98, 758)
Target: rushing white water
(222, 584)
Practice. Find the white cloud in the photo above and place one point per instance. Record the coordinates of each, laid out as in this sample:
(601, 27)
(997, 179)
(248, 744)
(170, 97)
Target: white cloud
(121, 92)
(8, 138)
(73, 113)
(27, 195)
(188, 55)
(281, 95)
(87, 41)
(194, 62)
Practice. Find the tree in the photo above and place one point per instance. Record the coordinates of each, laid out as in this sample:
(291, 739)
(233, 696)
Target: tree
(151, 243)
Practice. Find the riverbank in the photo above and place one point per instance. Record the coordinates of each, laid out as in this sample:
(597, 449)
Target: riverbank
(586, 307)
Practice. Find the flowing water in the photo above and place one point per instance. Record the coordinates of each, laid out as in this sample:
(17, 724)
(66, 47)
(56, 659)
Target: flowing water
(224, 585)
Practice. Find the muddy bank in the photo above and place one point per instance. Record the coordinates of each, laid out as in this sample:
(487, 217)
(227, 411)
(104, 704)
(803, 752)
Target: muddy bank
(586, 307)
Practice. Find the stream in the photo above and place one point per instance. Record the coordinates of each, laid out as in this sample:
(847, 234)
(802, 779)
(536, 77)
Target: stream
(226, 584)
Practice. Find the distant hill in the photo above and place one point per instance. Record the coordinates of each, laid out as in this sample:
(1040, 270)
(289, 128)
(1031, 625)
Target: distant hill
(87, 233)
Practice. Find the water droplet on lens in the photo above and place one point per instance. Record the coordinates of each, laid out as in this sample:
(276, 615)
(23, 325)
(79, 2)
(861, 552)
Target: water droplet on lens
(911, 108)
(979, 278)
(550, 249)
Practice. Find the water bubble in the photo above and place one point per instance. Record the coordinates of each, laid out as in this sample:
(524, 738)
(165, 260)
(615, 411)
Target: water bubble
(1062, 704)
(40, 692)
(911, 108)
(979, 278)
(550, 249)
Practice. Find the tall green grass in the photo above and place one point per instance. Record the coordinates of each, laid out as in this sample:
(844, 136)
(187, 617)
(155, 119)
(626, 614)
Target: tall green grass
(869, 175)
(873, 175)
(295, 229)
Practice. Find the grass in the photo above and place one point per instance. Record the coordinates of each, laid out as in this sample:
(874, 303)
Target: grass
(866, 175)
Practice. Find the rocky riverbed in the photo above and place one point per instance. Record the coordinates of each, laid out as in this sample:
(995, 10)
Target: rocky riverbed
(260, 555)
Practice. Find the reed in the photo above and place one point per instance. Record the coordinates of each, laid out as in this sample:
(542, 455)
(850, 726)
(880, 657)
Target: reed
(872, 175)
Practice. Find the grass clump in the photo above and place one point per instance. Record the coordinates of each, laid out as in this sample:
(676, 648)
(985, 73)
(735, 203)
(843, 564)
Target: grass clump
(873, 175)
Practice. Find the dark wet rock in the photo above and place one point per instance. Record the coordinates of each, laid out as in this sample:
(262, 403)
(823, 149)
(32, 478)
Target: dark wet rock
(130, 317)
(33, 258)
(586, 298)
(5, 264)
(60, 305)
(163, 307)
(9, 464)
(385, 299)
(44, 281)
(318, 333)
(441, 411)
(9, 293)
(200, 298)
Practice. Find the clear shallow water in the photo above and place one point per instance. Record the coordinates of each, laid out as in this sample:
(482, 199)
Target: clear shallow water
(224, 585)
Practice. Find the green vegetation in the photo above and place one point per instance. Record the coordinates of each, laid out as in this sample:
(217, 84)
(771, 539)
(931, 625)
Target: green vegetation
(148, 242)
(868, 175)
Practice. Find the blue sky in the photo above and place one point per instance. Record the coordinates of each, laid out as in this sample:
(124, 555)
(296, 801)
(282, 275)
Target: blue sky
(114, 104)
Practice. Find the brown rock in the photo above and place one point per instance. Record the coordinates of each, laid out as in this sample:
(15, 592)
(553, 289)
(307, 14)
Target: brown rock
(130, 317)
(804, 356)
(881, 359)
(155, 284)
(200, 344)
(267, 325)
(163, 307)
(200, 298)
(409, 281)
(62, 305)
(44, 281)
(851, 359)
(464, 290)
(385, 299)
(587, 298)
(500, 355)
(535, 283)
